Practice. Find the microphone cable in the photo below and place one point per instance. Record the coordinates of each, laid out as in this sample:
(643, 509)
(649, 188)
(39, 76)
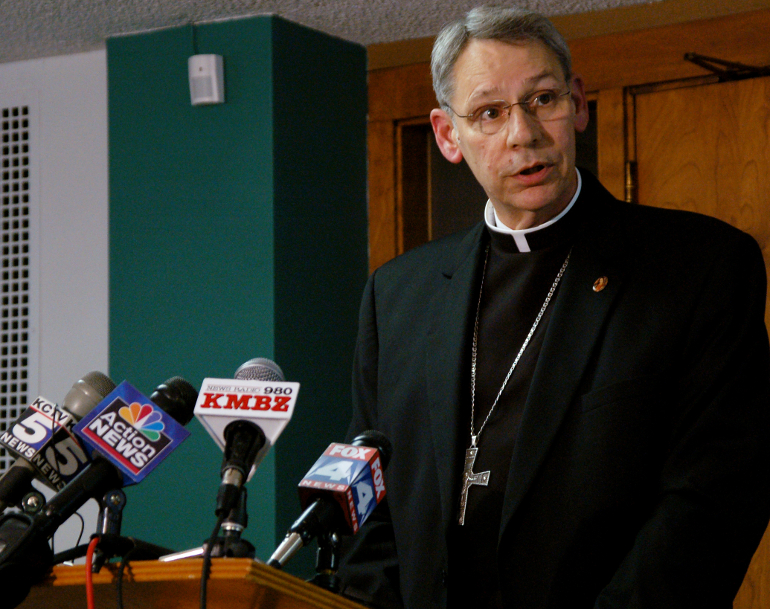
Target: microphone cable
(89, 575)
(207, 559)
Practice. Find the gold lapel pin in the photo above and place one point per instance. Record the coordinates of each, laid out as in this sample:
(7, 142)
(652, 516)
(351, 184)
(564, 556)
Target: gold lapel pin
(600, 284)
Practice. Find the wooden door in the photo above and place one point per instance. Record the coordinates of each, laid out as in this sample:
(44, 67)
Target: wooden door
(707, 149)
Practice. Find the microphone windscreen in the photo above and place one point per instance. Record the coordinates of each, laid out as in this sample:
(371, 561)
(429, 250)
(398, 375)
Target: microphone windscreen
(375, 439)
(177, 397)
(86, 393)
(260, 369)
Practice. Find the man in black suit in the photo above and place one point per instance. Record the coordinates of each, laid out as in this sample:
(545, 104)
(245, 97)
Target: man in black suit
(577, 390)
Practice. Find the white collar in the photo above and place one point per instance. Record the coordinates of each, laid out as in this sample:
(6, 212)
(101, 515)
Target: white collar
(520, 235)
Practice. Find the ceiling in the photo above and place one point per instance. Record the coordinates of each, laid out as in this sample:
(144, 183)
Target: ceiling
(41, 28)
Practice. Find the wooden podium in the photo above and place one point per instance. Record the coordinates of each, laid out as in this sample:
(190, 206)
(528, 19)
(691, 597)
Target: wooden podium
(234, 583)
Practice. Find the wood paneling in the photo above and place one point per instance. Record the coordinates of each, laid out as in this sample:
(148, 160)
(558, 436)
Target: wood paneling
(657, 55)
(382, 193)
(707, 149)
(755, 591)
(610, 135)
(604, 62)
(401, 93)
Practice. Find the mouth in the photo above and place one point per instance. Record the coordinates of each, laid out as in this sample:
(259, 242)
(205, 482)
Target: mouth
(533, 173)
(532, 170)
(536, 169)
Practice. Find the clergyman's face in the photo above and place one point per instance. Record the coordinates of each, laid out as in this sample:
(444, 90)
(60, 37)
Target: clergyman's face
(528, 168)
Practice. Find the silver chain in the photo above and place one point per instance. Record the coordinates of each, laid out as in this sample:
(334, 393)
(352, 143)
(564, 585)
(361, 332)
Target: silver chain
(474, 350)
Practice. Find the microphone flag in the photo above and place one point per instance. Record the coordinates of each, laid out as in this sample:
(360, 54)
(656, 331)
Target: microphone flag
(352, 475)
(269, 404)
(43, 435)
(131, 432)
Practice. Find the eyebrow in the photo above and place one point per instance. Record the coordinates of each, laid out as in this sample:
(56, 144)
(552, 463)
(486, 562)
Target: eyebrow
(541, 76)
(530, 81)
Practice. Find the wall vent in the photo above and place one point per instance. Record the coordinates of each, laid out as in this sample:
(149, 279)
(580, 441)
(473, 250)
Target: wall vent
(18, 257)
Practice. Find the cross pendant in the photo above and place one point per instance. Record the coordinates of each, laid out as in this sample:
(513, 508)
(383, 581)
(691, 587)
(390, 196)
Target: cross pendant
(469, 479)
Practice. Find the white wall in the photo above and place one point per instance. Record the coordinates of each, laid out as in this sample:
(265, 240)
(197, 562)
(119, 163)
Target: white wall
(71, 94)
(73, 238)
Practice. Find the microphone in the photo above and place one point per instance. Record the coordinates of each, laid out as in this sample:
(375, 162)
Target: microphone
(59, 457)
(243, 440)
(137, 425)
(339, 492)
(260, 369)
(128, 438)
(245, 416)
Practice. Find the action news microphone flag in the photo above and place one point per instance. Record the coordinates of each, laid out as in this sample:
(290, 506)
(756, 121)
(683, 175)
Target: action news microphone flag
(133, 433)
(117, 432)
(245, 416)
(43, 441)
(340, 492)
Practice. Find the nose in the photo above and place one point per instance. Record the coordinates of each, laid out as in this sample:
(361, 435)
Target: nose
(523, 129)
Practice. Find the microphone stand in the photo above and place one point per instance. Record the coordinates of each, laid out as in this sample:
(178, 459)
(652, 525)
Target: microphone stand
(108, 528)
(111, 542)
(230, 544)
(328, 562)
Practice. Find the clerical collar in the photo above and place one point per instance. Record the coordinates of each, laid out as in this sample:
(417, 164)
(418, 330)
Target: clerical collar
(527, 239)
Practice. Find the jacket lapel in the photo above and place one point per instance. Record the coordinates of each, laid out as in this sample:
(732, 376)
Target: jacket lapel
(447, 345)
(579, 314)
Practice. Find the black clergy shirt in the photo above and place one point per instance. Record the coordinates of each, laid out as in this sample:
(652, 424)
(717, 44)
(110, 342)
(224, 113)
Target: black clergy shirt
(515, 287)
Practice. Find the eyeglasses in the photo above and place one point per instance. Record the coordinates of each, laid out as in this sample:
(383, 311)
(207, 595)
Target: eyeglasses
(545, 105)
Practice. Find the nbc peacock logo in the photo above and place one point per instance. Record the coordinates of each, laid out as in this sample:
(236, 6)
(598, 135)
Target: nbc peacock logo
(145, 419)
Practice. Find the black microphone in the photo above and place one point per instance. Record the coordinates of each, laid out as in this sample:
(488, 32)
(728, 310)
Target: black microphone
(340, 492)
(58, 456)
(176, 397)
(24, 552)
(243, 438)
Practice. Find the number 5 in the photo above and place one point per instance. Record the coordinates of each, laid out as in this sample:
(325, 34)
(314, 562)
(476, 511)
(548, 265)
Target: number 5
(33, 429)
(69, 459)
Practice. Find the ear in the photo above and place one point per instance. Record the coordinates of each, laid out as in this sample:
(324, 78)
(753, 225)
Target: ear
(581, 105)
(446, 135)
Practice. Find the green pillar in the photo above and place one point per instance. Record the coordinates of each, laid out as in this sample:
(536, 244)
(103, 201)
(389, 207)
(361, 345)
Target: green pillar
(236, 231)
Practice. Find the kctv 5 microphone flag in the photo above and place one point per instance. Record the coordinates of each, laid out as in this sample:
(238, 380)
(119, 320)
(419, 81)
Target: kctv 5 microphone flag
(43, 440)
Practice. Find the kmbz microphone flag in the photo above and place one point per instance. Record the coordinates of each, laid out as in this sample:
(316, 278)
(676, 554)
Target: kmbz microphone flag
(131, 432)
(352, 475)
(269, 404)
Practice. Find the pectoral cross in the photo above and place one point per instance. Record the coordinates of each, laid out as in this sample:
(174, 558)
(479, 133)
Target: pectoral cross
(470, 478)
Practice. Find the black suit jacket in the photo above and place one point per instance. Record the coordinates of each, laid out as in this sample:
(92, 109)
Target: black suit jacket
(640, 474)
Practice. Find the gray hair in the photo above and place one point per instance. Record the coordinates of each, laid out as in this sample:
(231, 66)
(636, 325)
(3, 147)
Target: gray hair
(507, 24)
